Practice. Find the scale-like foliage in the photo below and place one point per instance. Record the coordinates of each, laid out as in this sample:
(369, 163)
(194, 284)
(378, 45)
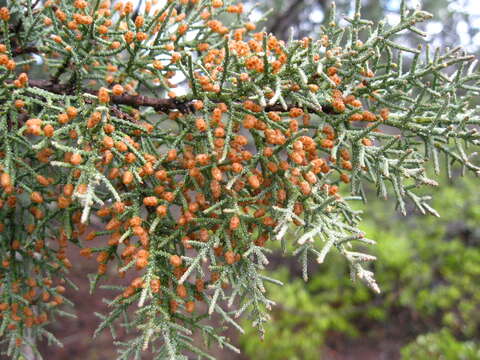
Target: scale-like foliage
(267, 141)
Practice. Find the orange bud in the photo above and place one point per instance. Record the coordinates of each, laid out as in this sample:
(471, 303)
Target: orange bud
(176, 260)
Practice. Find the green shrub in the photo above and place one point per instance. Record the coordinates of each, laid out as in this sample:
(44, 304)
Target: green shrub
(440, 346)
(299, 327)
(429, 272)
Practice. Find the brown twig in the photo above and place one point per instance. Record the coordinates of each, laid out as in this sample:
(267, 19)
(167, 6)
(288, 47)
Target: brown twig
(25, 50)
(121, 114)
(160, 105)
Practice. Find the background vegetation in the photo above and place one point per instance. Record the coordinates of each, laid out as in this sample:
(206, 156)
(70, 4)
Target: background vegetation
(428, 269)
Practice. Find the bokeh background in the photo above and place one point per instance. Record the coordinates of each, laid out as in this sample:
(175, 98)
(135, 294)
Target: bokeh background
(428, 268)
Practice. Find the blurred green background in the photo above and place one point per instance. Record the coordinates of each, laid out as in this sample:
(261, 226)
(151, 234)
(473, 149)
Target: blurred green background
(429, 308)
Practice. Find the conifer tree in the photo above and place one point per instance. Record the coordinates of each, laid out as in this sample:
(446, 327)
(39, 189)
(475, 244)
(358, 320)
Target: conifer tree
(188, 142)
